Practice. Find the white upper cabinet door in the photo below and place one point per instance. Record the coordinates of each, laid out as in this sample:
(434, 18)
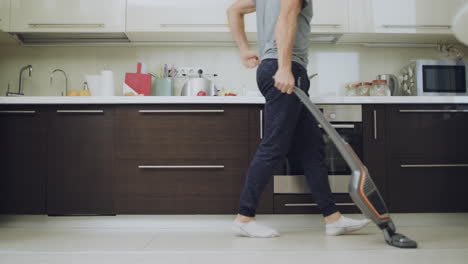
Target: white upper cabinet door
(68, 15)
(4, 15)
(330, 16)
(177, 15)
(403, 16)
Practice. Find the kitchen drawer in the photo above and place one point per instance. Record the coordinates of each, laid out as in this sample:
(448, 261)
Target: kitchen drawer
(210, 190)
(420, 185)
(304, 204)
(182, 132)
(437, 131)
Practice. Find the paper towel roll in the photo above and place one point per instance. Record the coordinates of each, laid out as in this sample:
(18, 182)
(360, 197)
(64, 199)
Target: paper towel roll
(94, 84)
(107, 83)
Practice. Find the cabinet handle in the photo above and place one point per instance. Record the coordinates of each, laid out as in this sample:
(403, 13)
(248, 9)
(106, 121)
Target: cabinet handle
(65, 25)
(341, 126)
(433, 111)
(434, 165)
(375, 125)
(80, 111)
(418, 26)
(183, 167)
(179, 111)
(217, 26)
(261, 124)
(314, 204)
(17, 112)
(326, 25)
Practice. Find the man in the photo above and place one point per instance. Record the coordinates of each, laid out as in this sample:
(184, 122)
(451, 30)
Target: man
(290, 130)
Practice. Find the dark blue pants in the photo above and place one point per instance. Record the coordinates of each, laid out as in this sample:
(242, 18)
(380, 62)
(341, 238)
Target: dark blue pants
(292, 131)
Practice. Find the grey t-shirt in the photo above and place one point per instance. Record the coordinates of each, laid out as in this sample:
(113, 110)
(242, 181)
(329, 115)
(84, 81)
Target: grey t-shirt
(267, 16)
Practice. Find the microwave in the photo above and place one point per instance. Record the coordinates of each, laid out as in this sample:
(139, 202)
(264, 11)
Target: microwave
(435, 77)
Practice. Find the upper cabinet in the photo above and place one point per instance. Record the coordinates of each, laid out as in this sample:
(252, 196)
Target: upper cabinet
(67, 15)
(4, 15)
(330, 16)
(178, 20)
(403, 16)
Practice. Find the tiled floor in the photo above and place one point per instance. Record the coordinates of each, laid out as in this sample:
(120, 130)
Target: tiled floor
(443, 238)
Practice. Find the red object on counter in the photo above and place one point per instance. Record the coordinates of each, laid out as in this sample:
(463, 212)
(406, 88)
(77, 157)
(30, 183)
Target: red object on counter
(139, 82)
(202, 93)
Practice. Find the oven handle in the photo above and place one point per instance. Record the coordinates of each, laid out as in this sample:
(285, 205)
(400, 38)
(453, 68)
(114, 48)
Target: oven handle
(346, 126)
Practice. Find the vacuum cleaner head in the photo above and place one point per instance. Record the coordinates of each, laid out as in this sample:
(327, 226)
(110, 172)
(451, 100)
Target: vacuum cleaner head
(361, 187)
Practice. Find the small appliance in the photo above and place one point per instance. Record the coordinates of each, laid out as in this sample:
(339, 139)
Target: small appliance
(434, 77)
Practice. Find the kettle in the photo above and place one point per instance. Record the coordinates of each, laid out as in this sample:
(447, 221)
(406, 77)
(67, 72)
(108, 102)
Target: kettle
(392, 81)
(193, 86)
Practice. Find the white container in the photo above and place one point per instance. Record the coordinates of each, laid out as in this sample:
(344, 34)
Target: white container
(94, 84)
(107, 83)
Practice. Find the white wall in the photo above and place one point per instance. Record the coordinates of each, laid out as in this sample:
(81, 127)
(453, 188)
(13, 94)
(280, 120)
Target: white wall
(336, 64)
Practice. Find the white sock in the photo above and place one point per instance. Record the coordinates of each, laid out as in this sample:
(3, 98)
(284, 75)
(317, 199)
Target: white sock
(253, 229)
(345, 225)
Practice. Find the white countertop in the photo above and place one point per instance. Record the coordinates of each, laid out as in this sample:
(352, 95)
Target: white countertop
(228, 100)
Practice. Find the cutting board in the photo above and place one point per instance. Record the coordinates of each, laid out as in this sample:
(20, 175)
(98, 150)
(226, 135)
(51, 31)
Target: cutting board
(139, 82)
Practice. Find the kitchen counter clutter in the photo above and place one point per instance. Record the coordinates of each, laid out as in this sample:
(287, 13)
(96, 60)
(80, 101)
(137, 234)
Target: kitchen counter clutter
(229, 100)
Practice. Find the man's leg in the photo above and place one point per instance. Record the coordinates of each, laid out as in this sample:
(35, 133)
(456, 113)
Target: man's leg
(281, 115)
(308, 146)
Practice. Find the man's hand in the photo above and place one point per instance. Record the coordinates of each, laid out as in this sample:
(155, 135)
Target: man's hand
(250, 59)
(284, 80)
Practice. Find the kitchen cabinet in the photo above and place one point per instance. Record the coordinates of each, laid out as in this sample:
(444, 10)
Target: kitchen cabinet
(424, 185)
(305, 204)
(431, 131)
(23, 149)
(80, 160)
(179, 159)
(374, 145)
(403, 16)
(68, 16)
(4, 15)
(427, 157)
(179, 20)
(330, 16)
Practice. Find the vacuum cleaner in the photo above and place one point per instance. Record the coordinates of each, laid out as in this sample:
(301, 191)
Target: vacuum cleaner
(361, 187)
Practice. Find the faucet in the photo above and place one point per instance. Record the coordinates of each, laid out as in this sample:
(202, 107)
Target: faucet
(66, 79)
(20, 86)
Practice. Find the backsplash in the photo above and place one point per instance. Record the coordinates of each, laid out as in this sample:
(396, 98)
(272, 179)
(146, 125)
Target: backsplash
(336, 65)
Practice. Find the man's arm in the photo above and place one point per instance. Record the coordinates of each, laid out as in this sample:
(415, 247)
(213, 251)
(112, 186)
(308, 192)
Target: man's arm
(235, 15)
(285, 33)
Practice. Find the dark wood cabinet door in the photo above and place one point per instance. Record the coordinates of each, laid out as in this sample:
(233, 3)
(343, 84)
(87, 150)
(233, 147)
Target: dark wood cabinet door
(428, 185)
(375, 145)
(176, 131)
(432, 131)
(212, 188)
(151, 136)
(80, 160)
(305, 204)
(22, 159)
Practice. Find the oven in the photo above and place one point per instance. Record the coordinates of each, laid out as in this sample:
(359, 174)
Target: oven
(292, 194)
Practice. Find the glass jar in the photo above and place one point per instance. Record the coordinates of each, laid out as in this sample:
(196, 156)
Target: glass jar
(380, 88)
(351, 89)
(364, 89)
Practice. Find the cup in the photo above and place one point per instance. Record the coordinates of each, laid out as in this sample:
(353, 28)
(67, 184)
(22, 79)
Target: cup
(163, 87)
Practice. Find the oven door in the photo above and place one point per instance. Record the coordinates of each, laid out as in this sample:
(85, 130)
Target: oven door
(337, 166)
